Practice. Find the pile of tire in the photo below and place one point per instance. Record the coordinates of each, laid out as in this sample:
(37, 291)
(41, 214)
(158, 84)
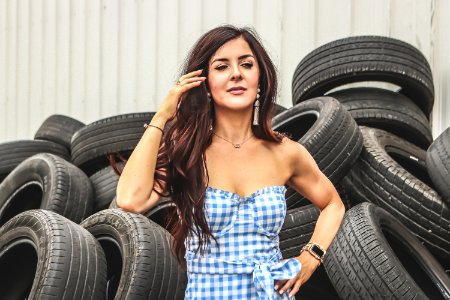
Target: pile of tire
(62, 236)
(395, 238)
(59, 239)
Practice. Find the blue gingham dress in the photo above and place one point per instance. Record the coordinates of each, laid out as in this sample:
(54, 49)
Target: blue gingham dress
(248, 258)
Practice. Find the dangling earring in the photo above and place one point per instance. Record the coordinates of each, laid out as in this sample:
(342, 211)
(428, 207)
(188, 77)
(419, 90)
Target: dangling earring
(209, 100)
(256, 110)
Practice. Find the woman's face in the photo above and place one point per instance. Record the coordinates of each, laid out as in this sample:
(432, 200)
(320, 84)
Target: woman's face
(233, 75)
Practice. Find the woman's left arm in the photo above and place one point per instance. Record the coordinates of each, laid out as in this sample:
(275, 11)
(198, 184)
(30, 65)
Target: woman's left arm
(309, 181)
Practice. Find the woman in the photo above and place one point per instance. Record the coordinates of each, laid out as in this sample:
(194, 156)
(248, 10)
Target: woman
(226, 171)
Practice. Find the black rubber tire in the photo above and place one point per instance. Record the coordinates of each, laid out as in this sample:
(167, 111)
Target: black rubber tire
(375, 256)
(365, 58)
(49, 182)
(140, 264)
(45, 256)
(13, 153)
(297, 229)
(327, 131)
(104, 183)
(387, 110)
(391, 173)
(438, 164)
(158, 214)
(58, 129)
(92, 143)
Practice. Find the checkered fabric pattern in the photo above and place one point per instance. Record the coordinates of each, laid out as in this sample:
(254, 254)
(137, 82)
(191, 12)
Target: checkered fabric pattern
(247, 259)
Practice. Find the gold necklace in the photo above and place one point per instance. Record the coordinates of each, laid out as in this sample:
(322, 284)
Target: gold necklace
(237, 145)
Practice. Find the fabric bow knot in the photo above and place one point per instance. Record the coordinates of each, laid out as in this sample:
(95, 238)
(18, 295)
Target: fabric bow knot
(264, 275)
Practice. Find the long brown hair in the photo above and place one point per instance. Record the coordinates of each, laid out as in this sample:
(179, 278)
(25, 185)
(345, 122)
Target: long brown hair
(181, 160)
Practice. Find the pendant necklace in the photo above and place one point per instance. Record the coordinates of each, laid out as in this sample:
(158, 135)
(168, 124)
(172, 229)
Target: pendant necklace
(237, 145)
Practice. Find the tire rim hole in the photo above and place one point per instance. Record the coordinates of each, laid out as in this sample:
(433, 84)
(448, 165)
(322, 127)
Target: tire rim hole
(300, 126)
(114, 262)
(18, 268)
(414, 269)
(26, 198)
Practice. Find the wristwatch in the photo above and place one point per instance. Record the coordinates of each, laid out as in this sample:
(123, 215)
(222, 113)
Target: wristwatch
(316, 250)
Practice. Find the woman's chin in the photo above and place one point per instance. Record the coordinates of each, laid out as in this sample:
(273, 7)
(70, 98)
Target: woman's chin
(235, 108)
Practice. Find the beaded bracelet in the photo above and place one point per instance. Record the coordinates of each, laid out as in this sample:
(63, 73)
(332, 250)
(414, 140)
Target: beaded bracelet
(147, 125)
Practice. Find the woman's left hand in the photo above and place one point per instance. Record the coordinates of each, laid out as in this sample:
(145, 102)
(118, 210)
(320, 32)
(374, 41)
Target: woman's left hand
(309, 265)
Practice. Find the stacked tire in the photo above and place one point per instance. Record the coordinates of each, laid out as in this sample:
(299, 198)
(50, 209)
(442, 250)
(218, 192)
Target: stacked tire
(394, 241)
(58, 240)
(62, 235)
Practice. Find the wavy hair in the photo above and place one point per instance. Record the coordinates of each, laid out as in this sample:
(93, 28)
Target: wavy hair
(181, 166)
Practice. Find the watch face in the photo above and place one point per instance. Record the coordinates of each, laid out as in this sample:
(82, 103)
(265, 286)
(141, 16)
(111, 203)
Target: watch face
(317, 250)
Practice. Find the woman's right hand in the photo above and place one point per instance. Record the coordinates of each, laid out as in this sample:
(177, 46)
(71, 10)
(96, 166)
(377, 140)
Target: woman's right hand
(184, 84)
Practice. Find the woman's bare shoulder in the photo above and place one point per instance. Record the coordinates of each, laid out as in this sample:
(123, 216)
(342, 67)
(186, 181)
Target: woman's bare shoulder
(276, 149)
(290, 150)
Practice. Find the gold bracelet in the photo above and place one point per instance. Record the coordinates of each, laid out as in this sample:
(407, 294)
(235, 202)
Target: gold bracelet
(147, 125)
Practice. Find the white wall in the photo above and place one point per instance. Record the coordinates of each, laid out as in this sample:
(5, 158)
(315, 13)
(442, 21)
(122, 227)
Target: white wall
(91, 59)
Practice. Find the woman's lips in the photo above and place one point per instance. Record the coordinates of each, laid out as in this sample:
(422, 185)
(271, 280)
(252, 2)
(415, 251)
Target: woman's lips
(237, 92)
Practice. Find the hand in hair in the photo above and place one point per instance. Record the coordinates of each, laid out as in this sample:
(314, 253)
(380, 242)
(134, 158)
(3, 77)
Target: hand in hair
(185, 83)
(135, 189)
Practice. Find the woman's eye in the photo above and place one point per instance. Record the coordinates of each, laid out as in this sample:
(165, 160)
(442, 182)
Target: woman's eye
(247, 65)
(221, 67)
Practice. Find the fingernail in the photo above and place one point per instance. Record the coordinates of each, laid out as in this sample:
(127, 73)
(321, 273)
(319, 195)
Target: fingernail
(290, 295)
(276, 287)
(281, 291)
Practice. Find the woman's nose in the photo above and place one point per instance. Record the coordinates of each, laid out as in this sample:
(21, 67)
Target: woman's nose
(236, 73)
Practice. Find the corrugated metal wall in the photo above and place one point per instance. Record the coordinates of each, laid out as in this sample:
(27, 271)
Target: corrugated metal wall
(94, 58)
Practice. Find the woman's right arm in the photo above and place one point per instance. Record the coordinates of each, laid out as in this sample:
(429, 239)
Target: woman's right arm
(137, 179)
(134, 191)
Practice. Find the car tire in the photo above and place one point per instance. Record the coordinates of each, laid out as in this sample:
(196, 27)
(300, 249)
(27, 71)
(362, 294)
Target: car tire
(13, 153)
(119, 134)
(327, 131)
(438, 164)
(365, 58)
(387, 110)
(49, 182)
(46, 256)
(375, 256)
(104, 183)
(139, 260)
(391, 173)
(58, 129)
(297, 229)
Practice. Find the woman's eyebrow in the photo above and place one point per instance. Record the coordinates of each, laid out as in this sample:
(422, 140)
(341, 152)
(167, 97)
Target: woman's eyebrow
(226, 59)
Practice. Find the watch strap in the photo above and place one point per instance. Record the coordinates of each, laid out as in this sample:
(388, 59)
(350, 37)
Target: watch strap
(315, 250)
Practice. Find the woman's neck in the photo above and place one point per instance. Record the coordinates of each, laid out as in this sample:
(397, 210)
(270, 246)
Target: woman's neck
(234, 127)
